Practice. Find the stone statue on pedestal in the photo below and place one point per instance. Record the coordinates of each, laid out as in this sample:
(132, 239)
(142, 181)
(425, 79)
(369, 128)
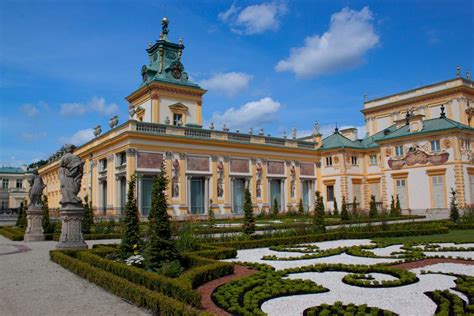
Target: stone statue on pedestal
(71, 169)
(34, 214)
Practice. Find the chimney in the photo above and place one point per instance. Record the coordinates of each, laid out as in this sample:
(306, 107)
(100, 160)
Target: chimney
(350, 133)
(416, 122)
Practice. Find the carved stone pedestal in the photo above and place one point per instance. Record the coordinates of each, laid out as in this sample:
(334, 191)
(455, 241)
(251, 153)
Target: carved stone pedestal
(71, 233)
(34, 229)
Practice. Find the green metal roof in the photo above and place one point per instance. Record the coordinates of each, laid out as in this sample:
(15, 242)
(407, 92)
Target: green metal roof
(14, 170)
(336, 140)
(429, 126)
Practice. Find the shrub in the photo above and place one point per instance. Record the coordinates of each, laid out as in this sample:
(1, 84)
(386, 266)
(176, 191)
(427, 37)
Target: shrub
(336, 210)
(48, 227)
(354, 206)
(171, 269)
(88, 219)
(300, 207)
(160, 246)
(21, 220)
(275, 207)
(453, 207)
(131, 235)
(318, 216)
(344, 212)
(187, 240)
(393, 210)
(211, 217)
(249, 220)
(398, 208)
(373, 207)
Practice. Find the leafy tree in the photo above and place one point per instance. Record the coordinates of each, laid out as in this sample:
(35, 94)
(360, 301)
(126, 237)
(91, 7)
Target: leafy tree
(354, 206)
(454, 211)
(344, 212)
(393, 210)
(48, 228)
(160, 247)
(336, 210)
(373, 207)
(275, 207)
(249, 220)
(300, 207)
(88, 219)
(131, 237)
(398, 208)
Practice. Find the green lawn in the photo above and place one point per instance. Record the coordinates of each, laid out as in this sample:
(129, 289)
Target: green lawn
(466, 236)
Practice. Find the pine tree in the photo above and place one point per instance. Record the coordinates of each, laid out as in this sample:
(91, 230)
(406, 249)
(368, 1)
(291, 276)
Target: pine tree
(275, 207)
(160, 247)
(21, 220)
(45, 220)
(454, 211)
(393, 211)
(131, 237)
(344, 212)
(336, 210)
(354, 206)
(318, 216)
(88, 219)
(373, 207)
(398, 208)
(300, 207)
(249, 220)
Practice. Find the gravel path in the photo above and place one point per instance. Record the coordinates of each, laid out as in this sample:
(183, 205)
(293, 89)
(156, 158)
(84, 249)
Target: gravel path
(31, 284)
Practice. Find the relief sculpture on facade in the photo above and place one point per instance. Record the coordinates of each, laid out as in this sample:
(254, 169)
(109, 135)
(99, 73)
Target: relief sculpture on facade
(416, 155)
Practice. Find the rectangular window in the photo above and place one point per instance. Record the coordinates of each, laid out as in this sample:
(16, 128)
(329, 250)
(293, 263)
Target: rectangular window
(4, 205)
(399, 151)
(467, 144)
(121, 159)
(19, 183)
(435, 146)
(437, 187)
(357, 192)
(401, 191)
(5, 183)
(373, 159)
(177, 119)
(328, 161)
(354, 160)
(375, 191)
(330, 193)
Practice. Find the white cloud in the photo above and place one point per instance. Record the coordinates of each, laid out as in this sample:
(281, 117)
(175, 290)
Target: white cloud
(79, 138)
(351, 34)
(252, 114)
(254, 19)
(227, 83)
(31, 137)
(29, 110)
(96, 104)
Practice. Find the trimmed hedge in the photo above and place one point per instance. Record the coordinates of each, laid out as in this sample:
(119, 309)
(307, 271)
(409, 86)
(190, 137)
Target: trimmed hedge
(268, 242)
(14, 234)
(152, 281)
(139, 295)
(347, 310)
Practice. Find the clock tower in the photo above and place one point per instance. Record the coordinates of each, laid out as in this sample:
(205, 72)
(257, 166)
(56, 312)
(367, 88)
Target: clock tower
(166, 95)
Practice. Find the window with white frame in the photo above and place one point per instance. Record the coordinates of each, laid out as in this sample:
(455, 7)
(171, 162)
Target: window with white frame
(467, 144)
(437, 188)
(399, 151)
(373, 159)
(19, 183)
(357, 192)
(354, 160)
(329, 161)
(435, 146)
(5, 183)
(103, 164)
(375, 191)
(401, 192)
(177, 119)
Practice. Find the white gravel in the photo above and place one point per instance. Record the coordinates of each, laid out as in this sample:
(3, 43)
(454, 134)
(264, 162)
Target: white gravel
(405, 300)
(457, 268)
(386, 251)
(31, 284)
(454, 254)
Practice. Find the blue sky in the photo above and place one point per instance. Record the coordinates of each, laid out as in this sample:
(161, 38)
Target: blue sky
(66, 66)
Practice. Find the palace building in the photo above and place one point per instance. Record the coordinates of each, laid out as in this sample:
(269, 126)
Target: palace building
(418, 146)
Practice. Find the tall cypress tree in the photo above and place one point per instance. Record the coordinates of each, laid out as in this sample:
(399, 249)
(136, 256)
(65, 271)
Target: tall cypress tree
(354, 206)
(249, 220)
(88, 219)
(45, 220)
(160, 247)
(398, 208)
(275, 207)
(344, 212)
(373, 207)
(454, 211)
(131, 236)
(336, 209)
(300, 207)
(318, 216)
(393, 211)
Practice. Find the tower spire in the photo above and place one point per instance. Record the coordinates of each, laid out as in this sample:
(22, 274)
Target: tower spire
(164, 28)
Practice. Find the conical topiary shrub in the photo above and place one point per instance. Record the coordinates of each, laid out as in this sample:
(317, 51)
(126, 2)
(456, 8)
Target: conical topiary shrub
(131, 237)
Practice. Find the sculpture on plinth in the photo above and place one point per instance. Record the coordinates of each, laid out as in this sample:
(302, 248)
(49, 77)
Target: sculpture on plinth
(34, 229)
(71, 169)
